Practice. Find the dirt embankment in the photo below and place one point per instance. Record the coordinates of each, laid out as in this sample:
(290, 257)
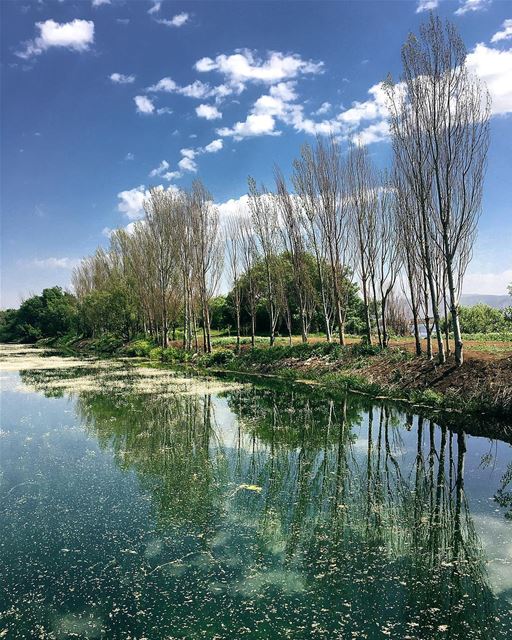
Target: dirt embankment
(484, 380)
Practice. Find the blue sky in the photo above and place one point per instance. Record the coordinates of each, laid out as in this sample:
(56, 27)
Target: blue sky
(101, 100)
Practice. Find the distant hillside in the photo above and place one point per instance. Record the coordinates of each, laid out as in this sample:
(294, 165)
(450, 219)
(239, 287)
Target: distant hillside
(498, 302)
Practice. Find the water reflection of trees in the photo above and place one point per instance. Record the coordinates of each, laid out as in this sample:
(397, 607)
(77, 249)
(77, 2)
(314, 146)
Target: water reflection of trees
(381, 536)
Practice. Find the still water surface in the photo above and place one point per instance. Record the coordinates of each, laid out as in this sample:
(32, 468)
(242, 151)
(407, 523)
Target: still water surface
(143, 504)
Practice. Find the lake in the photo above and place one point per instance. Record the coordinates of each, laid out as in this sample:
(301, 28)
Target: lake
(142, 503)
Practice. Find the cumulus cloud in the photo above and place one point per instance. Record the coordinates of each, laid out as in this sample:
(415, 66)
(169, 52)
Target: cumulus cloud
(76, 35)
(253, 125)
(177, 21)
(244, 66)
(505, 33)
(120, 78)
(131, 202)
(208, 112)
(165, 84)
(495, 68)
(98, 3)
(187, 162)
(426, 5)
(234, 207)
(144, 104)
(214, 146)
(467, 6)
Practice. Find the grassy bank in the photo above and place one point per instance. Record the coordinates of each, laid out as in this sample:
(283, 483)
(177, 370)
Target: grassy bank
(479, 386)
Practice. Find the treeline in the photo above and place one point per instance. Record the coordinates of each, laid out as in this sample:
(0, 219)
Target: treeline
(404, 235)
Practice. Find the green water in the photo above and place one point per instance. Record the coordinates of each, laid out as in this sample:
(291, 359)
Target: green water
(140, 507)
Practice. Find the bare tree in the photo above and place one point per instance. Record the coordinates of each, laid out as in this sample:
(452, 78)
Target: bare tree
(304, 182)
(249, 257)
(234, 249)
(163, 209)
(363, 199)
(293, 239)
(265, 223)
(387, 265)
(207, 251)
(451, 111)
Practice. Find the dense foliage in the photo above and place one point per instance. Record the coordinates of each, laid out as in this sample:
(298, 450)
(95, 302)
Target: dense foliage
(52, 314)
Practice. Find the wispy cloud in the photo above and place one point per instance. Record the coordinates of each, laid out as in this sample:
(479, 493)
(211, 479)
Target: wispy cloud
(55, 263)
(426, 5)
(120, 78)
(177, 21)
(155, 8)
(468, 6)
(505, 33)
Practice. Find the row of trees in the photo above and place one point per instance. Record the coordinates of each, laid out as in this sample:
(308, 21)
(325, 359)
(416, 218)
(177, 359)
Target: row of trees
(404, 232)
(403, 236)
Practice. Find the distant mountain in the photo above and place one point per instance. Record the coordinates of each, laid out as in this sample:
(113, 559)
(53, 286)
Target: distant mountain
(498, 302)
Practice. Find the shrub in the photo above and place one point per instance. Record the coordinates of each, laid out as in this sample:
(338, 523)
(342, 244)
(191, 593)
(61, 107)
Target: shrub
(221, 356)
(364, 349)
(156, 353)
(171, 354)
(138, 348)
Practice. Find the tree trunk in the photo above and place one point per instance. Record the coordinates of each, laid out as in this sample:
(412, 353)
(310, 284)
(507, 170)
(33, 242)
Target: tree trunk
(457, 337)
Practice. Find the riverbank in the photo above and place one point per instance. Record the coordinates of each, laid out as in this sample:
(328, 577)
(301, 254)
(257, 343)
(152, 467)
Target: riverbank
(482, 386)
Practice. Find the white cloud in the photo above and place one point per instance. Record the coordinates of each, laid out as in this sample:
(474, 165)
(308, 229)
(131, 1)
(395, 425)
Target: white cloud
(188, 163)
(55, 263)
(488, 283)
(98, 3)
(472, 5)
(214, 146)
(144, 104)
(254, 125)
(261, 120)
(163, 111)
(371, 109)
(165, 84)
(129, 156)
(244, 66)
(77, 35)
(234, 207)
(495, 68)
(177, 21)
(505, 33)
(171, 175)
(376, 132)
(197, 89)
(120, 78)
(426, 5)
(131, 202)
(155, 8)
(162, 168)
(324, 108)
(208, 111)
